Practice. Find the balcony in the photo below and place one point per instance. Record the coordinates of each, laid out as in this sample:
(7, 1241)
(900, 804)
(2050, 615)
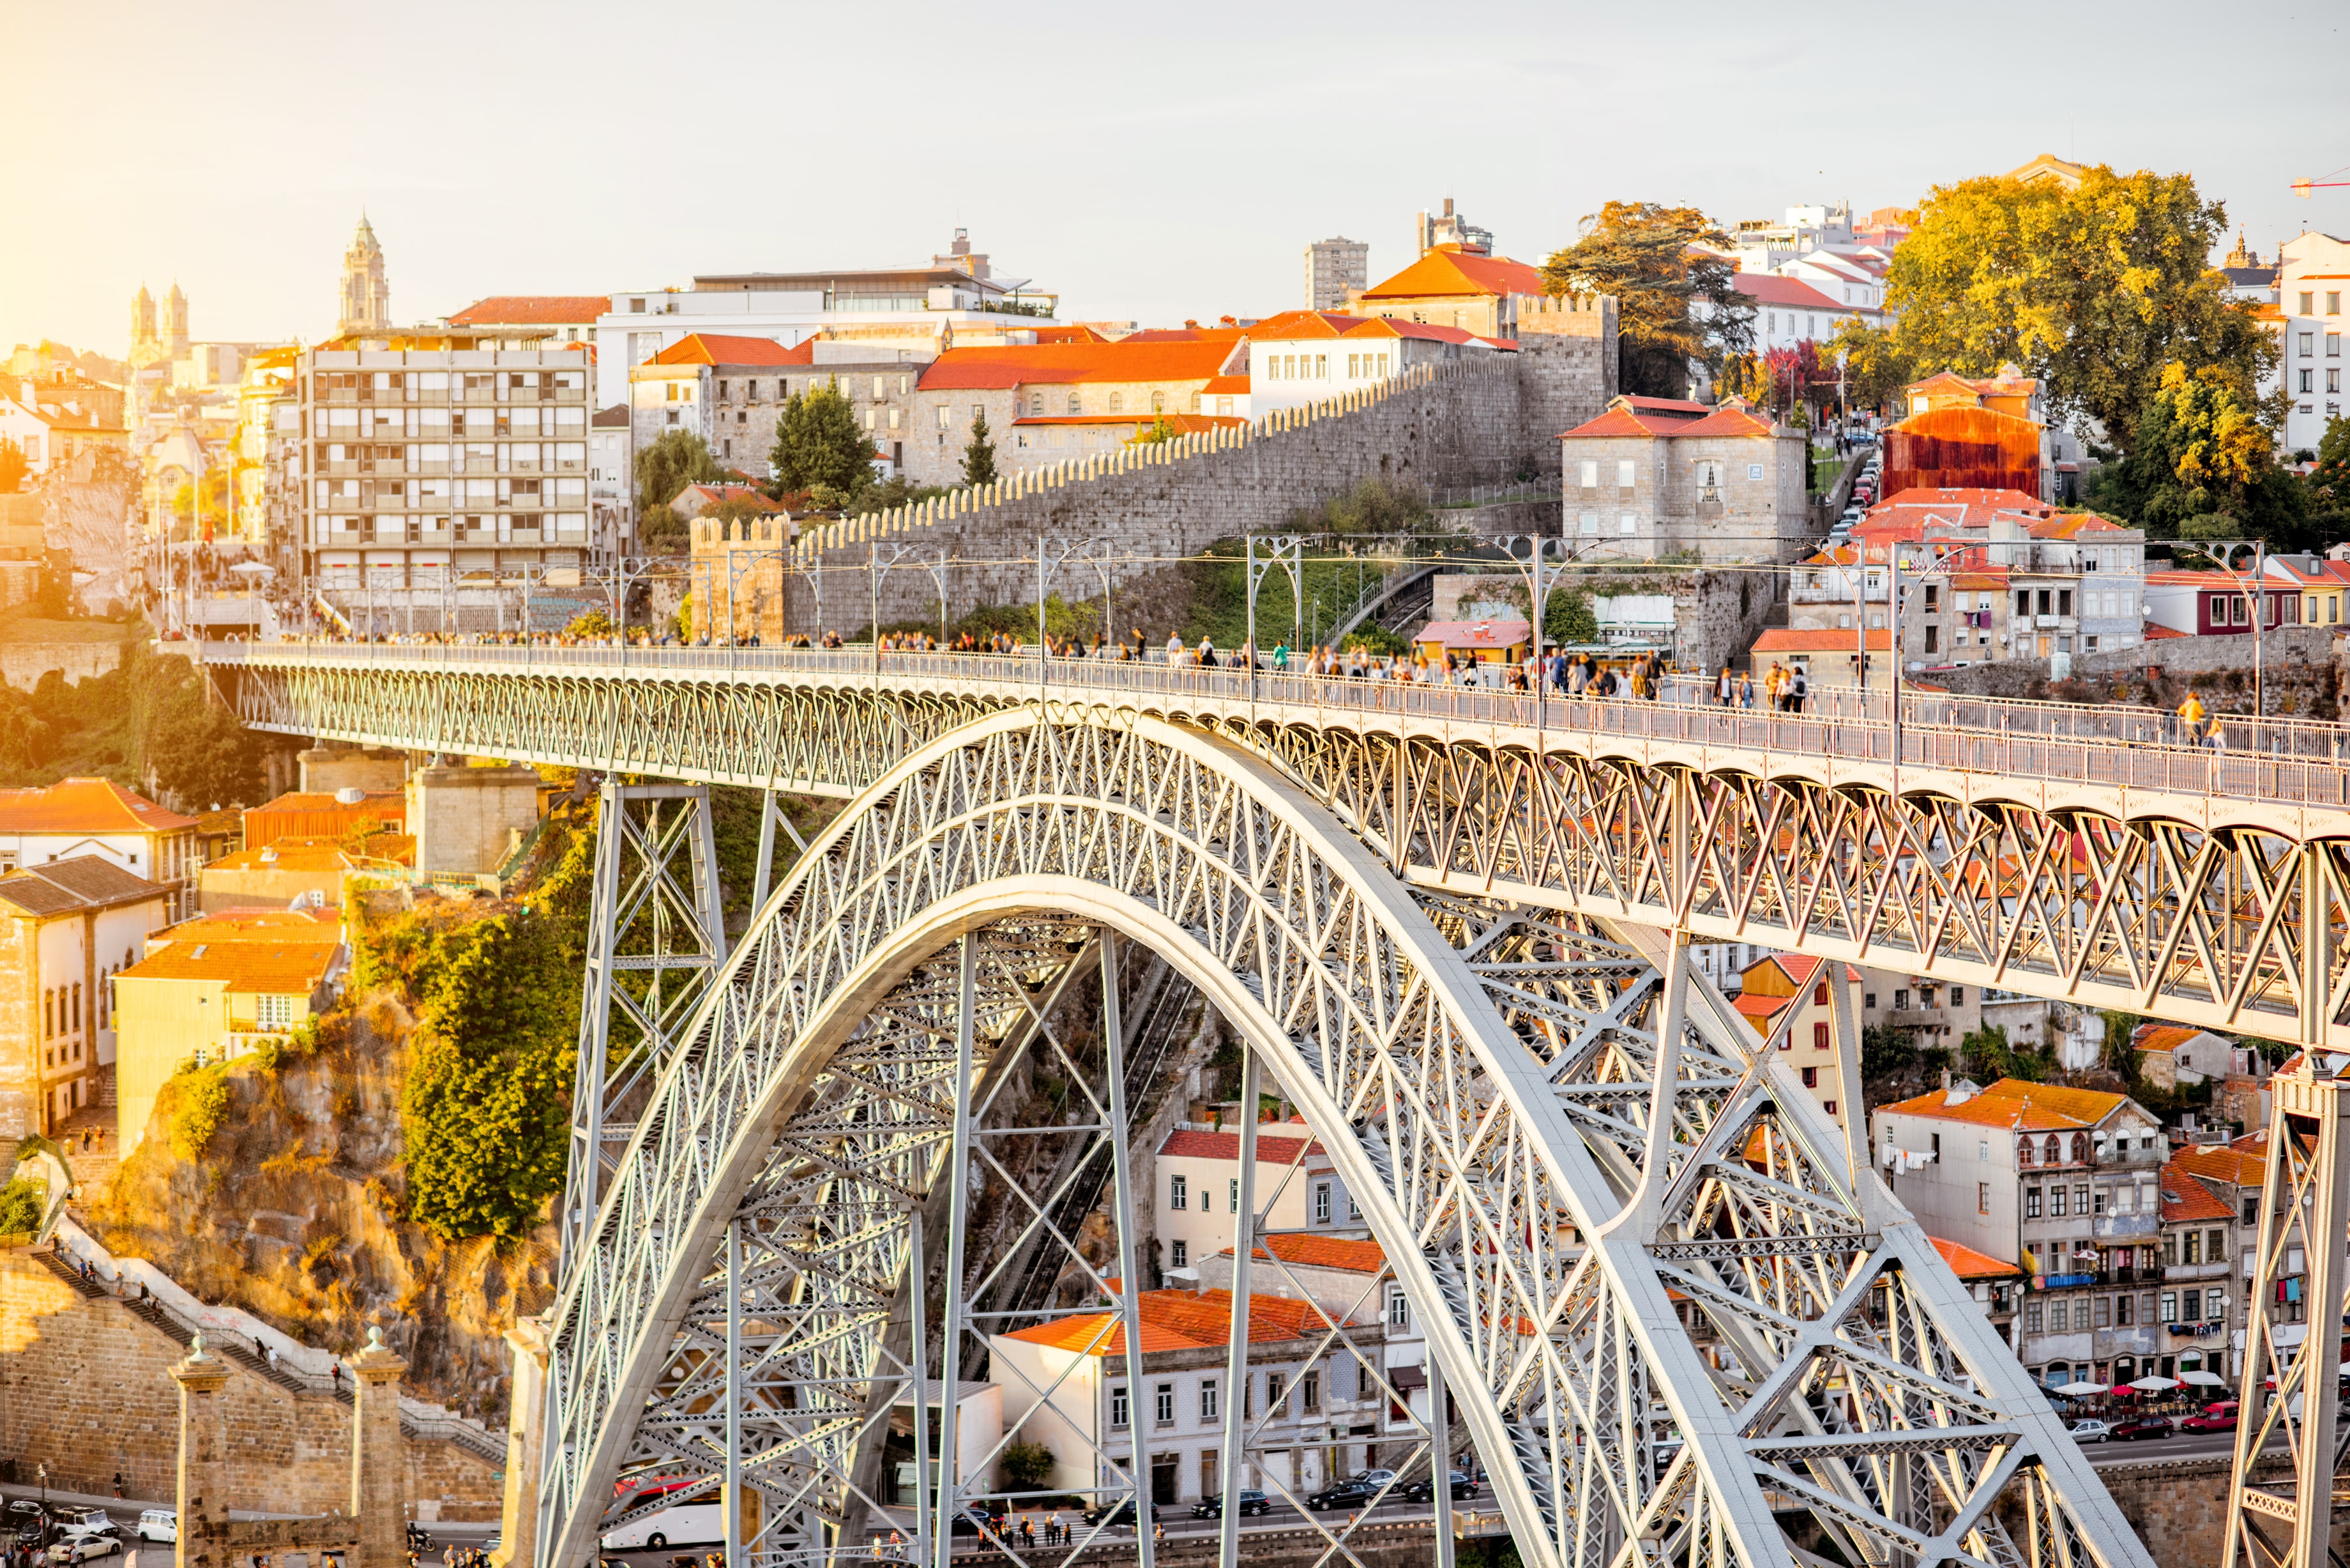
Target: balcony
(2118, 1227)
(2218, 1271)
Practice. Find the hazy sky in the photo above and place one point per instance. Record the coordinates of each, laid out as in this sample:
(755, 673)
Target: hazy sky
(1150, 162)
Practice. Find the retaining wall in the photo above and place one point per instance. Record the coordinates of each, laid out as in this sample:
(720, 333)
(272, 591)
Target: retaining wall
(2178, 657)
(2180, 1507)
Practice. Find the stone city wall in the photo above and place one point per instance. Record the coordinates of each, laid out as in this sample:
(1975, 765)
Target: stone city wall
(2180, 1507)
(2287, 648)
(1457, 423)
(21, 664)
(85, 1385)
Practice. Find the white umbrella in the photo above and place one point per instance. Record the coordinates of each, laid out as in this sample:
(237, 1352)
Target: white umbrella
(2203, 1379)
(2082, 1388)
(2156, 1384)
(254, 569)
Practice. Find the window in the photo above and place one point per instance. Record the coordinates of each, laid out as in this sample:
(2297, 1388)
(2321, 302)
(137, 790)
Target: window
(1163, 1409)
(1208, 1399)
(1117, 1406)
(2333, 302)
(1982, 1197)
(1321, 366)
(1982, 1154)
(2215, 1246)
(1901, 1000)
(1321, 1203)
(1626, 473)
(1236, 1196)
(1958, 996)
(2334, 344)
(2023, 1153)
(1116, 402)
(2308, 304)
(1586, 523)
(2171, 1306)
(1820, 995)
(2057, 1314)
(2098, 1201)
(273, 1011)
(1077, 403)
(2308, 380)
(1179, 1254)
(1828, 1105)
(2080, 1197)
(2031, 1317)
(2122, 1311)
(1811, 1077)
(1176, 1193)
(2191, 1248)
(2191, 1305)
(1310, 1386)
(2050, 1153)
(2104, 1318)
(1819, 1036)
(1590, 473)
(2031, 1203)
(1276, 1394)
(1398, 1310)
(1868, 1000)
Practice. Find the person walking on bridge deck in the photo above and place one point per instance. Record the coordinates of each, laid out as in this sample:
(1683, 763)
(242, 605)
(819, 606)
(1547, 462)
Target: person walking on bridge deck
(2190, 720)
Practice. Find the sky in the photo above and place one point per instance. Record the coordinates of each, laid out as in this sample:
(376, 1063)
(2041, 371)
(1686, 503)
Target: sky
(1148, 163)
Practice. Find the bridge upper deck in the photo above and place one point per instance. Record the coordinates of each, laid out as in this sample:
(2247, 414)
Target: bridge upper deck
(2283, 775)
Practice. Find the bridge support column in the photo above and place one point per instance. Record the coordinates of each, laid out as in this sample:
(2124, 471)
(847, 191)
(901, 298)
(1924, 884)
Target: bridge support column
(2305, 1210)
(526, 1432)
(202, 1499)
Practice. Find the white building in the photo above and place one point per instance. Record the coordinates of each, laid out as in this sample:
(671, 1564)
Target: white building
(954, 299)
(1346, 1278)
(1789, 311)
(1303, 357)
(96, 816)
(68, 927)
(2311, 285)
(1199, 1190)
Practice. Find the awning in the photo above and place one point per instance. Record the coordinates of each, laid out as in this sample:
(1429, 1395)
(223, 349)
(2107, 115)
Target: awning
(1407, 1378)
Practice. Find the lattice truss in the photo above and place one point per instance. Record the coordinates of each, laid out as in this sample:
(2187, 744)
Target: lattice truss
(1481, 1075)
(2236, 921)
(2232, 927)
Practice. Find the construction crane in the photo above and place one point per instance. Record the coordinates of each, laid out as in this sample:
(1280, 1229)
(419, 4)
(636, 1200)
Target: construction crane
(2301, 188)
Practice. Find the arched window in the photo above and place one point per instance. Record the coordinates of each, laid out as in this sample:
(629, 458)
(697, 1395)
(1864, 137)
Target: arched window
(2023, 1151)
(2050, 1153)
(2080, 1148)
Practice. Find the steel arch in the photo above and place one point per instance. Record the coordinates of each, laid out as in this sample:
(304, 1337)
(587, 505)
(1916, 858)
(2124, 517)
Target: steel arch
(1498, 1178)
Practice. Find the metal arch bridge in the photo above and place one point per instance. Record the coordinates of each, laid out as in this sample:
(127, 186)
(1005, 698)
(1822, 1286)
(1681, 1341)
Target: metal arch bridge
(1453, 929)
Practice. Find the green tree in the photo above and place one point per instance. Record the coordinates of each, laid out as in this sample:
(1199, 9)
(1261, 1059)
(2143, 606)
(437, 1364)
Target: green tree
(2201, 465)
(1024, 1466)
(677, 460)
(662, 532)
(485, 1109)
(1641, 252)
(2327, 488)
(13, 467)
(1568, 618)
(1886, 1049)
(205, 756)
(979, 454)
(817, 441)
(2096, 290)
(22, 1203)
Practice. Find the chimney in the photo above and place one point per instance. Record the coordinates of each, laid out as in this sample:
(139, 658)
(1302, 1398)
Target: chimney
(1946, 1077)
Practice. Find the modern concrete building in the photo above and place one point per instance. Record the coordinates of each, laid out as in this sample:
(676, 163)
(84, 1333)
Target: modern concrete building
(1334, 266)
(2312, 282)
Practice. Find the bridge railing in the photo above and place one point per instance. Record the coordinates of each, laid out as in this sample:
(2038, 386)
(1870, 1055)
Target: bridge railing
(2303, 763)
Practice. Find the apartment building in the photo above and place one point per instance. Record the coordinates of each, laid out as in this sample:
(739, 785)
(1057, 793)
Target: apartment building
(2312, 279)
(1056, 402)
(730, 391)
(2064, 1181)
(67, 927)
(1784, 998)
(1333, 267)
(432, 461)
(2203, 1311)
(1311, 1409)
(1348, 1280)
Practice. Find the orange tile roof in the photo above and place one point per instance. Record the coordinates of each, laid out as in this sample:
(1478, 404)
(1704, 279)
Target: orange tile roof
(1072, 364)
(533, 309)
(1323, 1252)
(2157, 632)
(1072, 335)
(1771, 290)
(2017, 1105)
(1969, 1264)
(2184, 1196)
(1445, 273)
(85, 806)
(1729, 419)
(1180, 1320)
(720, 348)
(1228, 386)
(1639, 404)
(1272, 1148)
(2072, 524)
(2244, 1162)
(2162, 1036)
(254, 926)
(1624, 422)
(276, 968)
(1816, 639)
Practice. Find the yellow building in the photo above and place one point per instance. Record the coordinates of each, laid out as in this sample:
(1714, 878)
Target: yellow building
(1807, 1042)
(211, 991)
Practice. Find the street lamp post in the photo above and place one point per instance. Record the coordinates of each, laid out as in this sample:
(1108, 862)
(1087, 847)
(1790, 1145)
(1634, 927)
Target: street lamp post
(1938, 566)
(1052, 555)
(1285, 552)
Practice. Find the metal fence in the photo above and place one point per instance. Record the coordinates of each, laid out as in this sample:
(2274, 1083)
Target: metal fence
(2302, 761)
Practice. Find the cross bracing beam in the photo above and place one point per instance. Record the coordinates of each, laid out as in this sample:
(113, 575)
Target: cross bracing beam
(1436, 1042)
(2209, 888)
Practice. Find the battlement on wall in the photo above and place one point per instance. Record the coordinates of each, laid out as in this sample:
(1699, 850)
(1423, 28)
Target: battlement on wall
(1565, 315)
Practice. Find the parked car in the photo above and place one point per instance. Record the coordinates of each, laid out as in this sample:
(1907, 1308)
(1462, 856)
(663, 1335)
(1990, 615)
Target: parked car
(159, 1525)
(2090, 1431)
(2137, 1426)
(1118, 1512)
(1352, 1493)
(1424, 1488)
(974, 1521)
(80, 1542)
(1376, 1477)
(1250, 1501)
(2217, 1416)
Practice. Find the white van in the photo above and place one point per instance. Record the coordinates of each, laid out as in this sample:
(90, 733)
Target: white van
(159, 1525)
(696, 1522)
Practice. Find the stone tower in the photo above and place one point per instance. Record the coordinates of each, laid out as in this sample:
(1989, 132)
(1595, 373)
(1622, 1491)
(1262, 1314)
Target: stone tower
(175, 322)
(366, 298)
(142, 322)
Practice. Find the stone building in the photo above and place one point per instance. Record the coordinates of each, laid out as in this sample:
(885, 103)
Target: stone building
(2066, 1182)
(1652, 477)
(730, 390)
(2203, 1235)
(1451, 286)
(67, 927)
(1046, 403)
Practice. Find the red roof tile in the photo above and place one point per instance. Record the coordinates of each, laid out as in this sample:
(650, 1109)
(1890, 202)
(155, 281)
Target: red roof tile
(1445, 273)
(1322, 1252)
(2015, 1104)
(533, 310)
(1969, 1264)
(1816, 639)
(719, 349)
(1784, 291)
(1069, 364)
(2184, 1196)
(1272, 1148)
(277, 968)
(1180, 1320)
(85, 806)
(1731, 419)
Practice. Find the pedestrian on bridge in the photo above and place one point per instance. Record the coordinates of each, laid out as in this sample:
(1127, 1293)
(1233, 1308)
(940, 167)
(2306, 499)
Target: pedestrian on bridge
(1725, 685)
